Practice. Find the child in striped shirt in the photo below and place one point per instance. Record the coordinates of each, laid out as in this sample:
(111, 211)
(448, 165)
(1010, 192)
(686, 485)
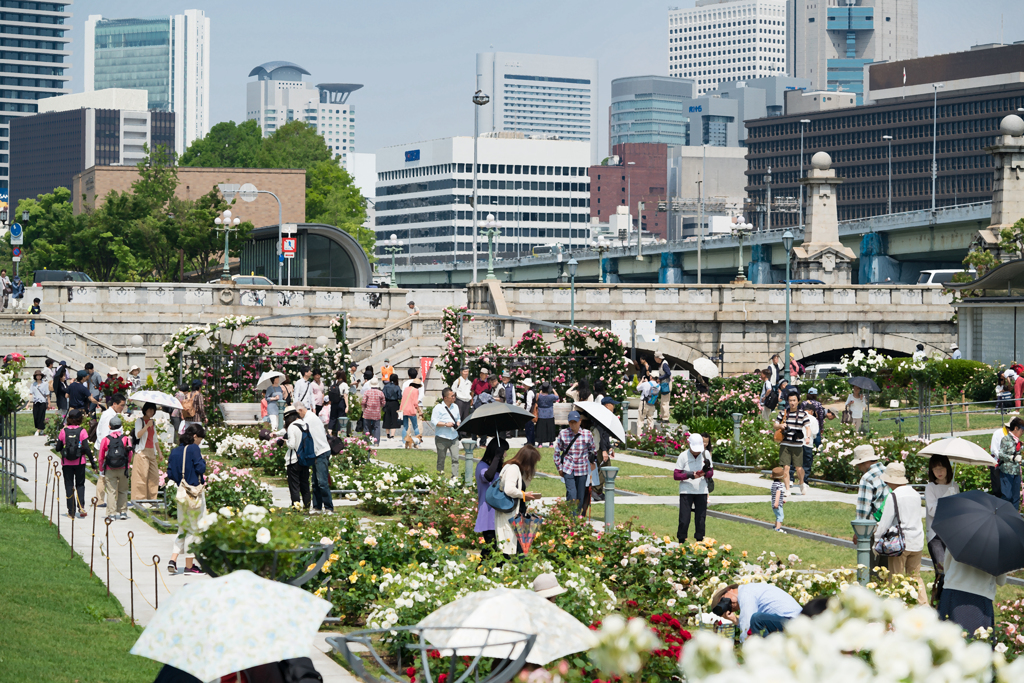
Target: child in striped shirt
(778, 497)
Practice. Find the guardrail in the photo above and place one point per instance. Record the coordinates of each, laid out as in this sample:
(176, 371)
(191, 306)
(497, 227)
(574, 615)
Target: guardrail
(927, 413)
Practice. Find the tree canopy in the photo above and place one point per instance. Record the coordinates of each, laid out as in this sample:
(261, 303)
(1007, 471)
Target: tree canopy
(331, 194)
(144, 234)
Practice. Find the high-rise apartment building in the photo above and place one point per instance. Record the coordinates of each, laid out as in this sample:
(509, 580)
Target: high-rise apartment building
(537, 190)
(168, 57)
(830, 42)
(33, 48)
(727, 40)
(279, 95)
(539, 95)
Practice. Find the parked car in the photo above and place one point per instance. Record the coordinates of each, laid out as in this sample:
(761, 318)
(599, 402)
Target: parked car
(257, 280)
(940, 277)
(41, 276)
(823, 370)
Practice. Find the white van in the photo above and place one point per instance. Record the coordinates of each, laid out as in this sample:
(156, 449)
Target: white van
(940, 277)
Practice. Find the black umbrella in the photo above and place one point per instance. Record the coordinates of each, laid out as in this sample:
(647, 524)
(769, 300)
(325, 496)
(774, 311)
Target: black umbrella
(491, 418)
(865, 383)
(981, 530)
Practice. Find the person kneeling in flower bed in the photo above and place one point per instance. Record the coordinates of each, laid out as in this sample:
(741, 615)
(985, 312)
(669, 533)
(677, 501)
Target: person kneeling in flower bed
(763, 608)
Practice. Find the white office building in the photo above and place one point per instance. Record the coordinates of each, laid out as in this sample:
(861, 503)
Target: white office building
(727, 40)
(169, 57)
(34, 53)
(279, 95)
(539, 95)
(537, 189)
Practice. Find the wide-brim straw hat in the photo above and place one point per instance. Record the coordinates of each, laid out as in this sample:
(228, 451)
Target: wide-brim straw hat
(862, 454)
(547, 586)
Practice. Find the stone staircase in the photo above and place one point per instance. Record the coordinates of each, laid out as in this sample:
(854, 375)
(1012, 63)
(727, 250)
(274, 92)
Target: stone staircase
(61, 342)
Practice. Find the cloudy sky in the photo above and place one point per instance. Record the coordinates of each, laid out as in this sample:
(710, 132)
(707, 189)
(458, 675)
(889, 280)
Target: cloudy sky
(416, 59)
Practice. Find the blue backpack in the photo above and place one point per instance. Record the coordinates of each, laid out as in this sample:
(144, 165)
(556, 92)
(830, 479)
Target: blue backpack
(306, 453)
(498, 499)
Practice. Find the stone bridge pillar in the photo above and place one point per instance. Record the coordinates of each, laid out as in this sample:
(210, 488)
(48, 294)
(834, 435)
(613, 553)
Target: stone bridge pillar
(1008, 184)
(822, 256)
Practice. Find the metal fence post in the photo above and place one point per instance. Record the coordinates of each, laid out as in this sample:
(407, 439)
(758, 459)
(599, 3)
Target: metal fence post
(46, 486)
(56, 490)
(131, 573)
(35, 482)
(92, 549)
(156, 582)
(609, 496)
(107, 522)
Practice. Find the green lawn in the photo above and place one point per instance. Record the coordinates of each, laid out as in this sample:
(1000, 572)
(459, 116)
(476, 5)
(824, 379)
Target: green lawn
(54, 614)
(939, 422)
(831, 519)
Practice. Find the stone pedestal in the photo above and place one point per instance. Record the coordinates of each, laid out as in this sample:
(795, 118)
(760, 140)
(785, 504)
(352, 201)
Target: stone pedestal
(1008, 183)
(822, 256)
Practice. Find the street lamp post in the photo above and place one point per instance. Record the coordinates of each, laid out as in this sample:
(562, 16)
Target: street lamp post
(227, 226)
(639, 231)
(572, 264)
(479, 99)
(935, 121)
(803, 122)
(393, 248)
(492, 232)
(787, 242)
(768, 204)
(629, 197)
(740, 229)
(889, 138)
(601, 246)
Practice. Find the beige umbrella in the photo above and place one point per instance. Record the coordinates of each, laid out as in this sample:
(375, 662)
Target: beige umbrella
(959, 451)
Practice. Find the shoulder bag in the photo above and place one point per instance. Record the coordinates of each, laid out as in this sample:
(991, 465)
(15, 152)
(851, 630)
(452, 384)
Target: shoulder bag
(892, 543)
(496, 497)
(188, 495)
(568, 448)
(710, 482)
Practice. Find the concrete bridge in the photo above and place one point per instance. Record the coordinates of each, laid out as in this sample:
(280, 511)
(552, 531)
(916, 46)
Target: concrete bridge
(101, 321)
(915, 240)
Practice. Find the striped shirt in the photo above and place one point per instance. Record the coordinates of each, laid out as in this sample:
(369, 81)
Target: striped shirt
(577, 460)
(871, 493)
(780, 488)
(794, 431)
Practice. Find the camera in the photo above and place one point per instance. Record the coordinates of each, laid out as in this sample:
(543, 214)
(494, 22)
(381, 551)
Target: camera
(724, 605)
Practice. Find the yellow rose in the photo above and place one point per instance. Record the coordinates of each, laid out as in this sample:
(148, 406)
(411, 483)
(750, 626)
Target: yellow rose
(362, 563)
(353, 578)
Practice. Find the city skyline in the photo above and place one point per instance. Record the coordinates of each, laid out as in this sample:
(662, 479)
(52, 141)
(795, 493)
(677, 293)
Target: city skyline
(419, 87)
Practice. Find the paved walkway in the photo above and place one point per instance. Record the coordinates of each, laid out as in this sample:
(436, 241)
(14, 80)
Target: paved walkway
(149, 588)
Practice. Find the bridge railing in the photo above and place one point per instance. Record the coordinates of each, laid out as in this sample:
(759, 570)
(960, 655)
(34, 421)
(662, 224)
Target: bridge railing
(722, 297)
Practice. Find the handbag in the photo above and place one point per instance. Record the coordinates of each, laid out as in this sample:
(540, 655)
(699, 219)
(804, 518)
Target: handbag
(847, 417)
(778, 436)
(496, 497)
(892, 542)
(188, 495)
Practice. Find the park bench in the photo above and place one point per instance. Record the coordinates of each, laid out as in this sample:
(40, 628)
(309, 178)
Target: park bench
(237, 414)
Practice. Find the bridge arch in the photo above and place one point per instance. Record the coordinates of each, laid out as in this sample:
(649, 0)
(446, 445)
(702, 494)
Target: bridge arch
(885, 343)
(672, 349)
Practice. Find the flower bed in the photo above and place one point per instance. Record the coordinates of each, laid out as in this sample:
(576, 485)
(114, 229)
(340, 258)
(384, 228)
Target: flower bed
(248, 451)
(231, 487)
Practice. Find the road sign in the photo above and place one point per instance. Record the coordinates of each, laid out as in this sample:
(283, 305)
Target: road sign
(228, 191)
(289, 245)
(248, 192)
(17, 234)
(15, 254)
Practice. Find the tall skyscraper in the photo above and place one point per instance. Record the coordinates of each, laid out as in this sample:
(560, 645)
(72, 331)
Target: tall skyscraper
(539, 95)
(169, 57)
(831, 42)
(727, 40)
(34, 49)
(279, 95)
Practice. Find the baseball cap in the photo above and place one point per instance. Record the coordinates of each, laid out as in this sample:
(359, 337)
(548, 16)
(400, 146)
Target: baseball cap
(696, 442)
(82, 374)
(115, 422)
(574, 416)
(608, 400)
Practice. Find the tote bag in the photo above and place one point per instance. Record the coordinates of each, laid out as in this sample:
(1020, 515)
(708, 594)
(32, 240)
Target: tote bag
(892, 542)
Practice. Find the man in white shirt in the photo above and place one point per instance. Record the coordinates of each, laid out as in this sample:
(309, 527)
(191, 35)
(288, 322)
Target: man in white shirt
(320, 490)
(463, 388)
(304, 390)
(102, 432)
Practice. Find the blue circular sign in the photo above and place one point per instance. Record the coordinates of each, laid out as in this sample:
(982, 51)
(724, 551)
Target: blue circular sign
(16, 230)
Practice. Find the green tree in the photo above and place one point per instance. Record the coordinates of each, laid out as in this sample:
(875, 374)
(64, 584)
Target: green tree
(333, 199)
(294, 145)
(227, 145)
